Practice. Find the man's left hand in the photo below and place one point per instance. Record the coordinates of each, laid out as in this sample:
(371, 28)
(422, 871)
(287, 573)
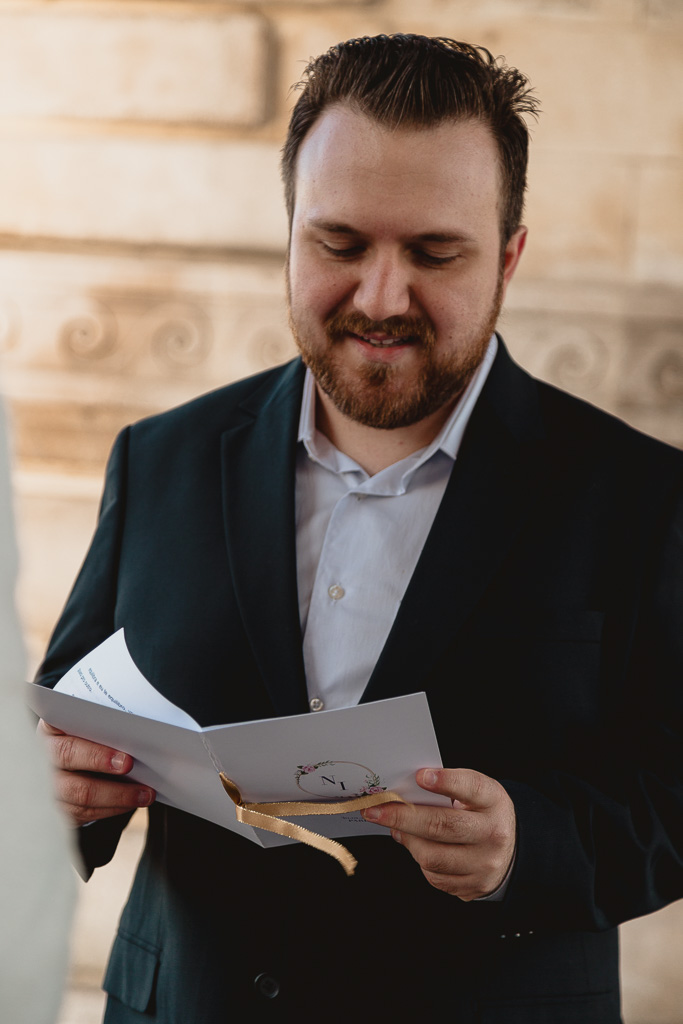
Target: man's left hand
(465, 850)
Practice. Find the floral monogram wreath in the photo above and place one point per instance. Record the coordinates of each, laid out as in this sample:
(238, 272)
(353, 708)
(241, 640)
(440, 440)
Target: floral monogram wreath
(372, 781)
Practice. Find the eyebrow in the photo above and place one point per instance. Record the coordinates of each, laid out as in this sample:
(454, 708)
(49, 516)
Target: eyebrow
(442, 237)
(332, 227)
(446, 237)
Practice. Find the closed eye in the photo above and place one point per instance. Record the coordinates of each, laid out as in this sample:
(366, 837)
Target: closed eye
(342, 252)
(434, 261)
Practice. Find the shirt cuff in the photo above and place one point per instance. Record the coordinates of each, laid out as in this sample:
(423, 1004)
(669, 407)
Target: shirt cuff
(498, 894)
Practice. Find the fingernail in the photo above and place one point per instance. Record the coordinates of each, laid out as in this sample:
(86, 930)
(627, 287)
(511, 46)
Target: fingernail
(372, 813)
(145, 797)
(118, 761)
(429, 778)
(396, 836)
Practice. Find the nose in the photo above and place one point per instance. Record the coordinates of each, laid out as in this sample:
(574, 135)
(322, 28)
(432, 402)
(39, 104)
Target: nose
(383, 289)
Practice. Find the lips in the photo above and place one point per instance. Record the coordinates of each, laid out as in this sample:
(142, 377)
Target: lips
(385, 341)
(392, 334)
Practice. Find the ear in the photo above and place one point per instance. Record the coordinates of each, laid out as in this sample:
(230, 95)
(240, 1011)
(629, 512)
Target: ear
(512, 254)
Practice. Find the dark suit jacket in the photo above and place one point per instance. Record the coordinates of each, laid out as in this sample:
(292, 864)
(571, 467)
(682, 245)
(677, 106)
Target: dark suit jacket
(543, 621)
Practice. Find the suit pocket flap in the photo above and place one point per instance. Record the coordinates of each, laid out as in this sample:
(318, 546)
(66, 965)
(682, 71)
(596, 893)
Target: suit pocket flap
(131, 973)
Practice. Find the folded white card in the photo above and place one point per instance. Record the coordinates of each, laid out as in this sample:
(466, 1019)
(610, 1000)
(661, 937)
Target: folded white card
(323, 756)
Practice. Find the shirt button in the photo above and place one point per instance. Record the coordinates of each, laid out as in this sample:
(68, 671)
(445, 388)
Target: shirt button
(336, 591)
(315, 704)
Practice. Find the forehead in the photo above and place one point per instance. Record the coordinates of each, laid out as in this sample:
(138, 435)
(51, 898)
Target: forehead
(352, 170)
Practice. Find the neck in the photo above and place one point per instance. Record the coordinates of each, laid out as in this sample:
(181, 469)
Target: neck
(374, 449)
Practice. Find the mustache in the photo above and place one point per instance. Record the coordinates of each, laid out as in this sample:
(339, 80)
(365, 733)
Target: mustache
(419, 329)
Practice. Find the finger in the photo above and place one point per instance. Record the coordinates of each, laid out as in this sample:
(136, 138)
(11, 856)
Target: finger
(455, 870)
(73, 754)
(88, 798)
(467, 872)
(449, 858)
(49, 730)
(466, 788)
(465, 887)
(437, 824)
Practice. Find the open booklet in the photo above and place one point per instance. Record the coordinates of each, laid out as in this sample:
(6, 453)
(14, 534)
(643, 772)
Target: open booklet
(326, 756)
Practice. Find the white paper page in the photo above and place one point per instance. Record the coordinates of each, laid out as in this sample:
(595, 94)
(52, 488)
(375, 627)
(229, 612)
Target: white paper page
(326, 756)
(172, 760)
(332, 755)
(109, 676)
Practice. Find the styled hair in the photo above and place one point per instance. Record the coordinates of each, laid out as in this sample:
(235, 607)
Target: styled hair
(413, 81)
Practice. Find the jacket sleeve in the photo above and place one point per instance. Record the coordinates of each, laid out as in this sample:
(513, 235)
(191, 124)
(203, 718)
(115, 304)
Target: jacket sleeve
(88, 619)
(606, 845)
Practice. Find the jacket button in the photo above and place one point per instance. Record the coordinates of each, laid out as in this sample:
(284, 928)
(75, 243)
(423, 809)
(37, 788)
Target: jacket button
(267, 986)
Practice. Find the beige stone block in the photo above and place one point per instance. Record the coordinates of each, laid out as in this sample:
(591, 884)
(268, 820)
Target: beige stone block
(457, 12)
(652, 990)
(306, 4)
(651, 392)
(588, 77)
(303, 35)
(92, 343)
(659, 239)
(56, 516)
(658, 97)
(670, 11)
(617, 345)
(112, 319)
(195, 67)
(605, 86)
(593, 65)
(574, 351)
(131, 189)
(82, 1005)
(580, 214)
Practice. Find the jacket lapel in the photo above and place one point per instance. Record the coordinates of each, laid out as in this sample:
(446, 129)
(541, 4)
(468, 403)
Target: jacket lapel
(485, 504)
(258, 503)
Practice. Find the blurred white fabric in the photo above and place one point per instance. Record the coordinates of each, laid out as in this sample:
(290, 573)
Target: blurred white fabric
(37, 882)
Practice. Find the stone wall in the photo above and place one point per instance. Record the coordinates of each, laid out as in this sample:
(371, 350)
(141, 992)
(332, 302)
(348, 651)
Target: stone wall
(142, 235)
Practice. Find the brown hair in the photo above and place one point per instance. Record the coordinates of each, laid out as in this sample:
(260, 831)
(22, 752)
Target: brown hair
(414, 81)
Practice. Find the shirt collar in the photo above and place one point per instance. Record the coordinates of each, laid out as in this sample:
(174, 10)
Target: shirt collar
(321, 450)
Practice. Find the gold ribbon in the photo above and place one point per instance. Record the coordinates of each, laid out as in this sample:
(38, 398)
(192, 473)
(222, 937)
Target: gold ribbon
(268, 817)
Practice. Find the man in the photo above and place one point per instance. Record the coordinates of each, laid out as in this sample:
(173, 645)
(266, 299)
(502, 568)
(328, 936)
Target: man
(413, 512)
(37, 883)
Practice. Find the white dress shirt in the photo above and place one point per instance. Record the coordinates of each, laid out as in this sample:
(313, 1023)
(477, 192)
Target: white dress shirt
(358, 540)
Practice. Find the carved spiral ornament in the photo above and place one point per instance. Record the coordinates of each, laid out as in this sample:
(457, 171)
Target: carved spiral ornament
(667, 374)
(263, 331)
(181, 339)
(577, 360)
(274, 345)
(89, 335)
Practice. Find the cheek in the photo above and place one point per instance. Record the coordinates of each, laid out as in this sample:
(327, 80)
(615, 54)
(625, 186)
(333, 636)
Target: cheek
(465, 300)
(447, 308)
(314, 292)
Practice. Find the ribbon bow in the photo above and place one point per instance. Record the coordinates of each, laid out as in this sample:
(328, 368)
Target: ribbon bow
(269, 817)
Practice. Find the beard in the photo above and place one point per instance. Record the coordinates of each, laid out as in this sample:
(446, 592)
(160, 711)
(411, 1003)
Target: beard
(381, 395)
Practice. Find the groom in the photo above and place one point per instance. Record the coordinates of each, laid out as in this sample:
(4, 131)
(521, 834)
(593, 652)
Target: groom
(402, 509)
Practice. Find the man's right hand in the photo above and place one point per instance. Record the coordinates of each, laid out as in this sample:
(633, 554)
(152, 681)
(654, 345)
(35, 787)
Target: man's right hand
(81, 788)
